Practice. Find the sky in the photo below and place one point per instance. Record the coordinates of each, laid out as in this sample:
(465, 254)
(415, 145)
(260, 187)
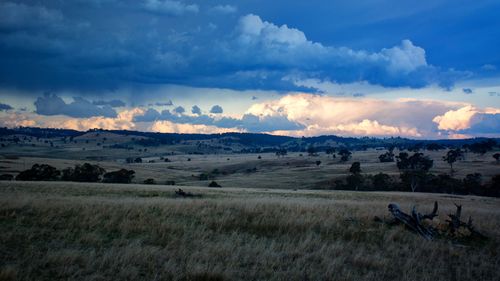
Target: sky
(377, 68)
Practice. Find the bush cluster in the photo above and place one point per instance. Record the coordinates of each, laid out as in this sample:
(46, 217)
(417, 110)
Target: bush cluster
(80, 173)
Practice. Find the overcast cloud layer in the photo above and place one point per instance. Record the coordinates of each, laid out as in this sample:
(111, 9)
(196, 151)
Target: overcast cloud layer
(284, 67)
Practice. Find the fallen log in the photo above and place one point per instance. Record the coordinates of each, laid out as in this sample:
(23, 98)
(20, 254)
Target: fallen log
(415, 222)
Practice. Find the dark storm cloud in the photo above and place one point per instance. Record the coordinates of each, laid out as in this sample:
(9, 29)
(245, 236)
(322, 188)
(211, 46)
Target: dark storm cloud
(484, 123)
(467, 90)
(179, 110)
(248, 122)
(51, 104)
(166, 103)
(196, 110)
(112, 103)
(216, 109)
(5, 107)
(105, 45)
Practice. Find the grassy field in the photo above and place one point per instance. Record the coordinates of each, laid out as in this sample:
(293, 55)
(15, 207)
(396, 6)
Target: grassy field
(246, 170)
(72, 231)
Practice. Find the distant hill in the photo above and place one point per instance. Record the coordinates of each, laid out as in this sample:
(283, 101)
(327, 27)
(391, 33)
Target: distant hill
(249, 140)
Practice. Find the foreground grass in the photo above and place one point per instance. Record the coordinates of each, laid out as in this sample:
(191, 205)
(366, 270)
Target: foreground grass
(51, 231)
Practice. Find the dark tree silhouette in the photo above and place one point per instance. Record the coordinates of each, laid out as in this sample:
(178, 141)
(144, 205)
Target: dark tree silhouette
(497, 157)
(39, 172)
(355, 168)
(481, 147)
(281, 152)
(414, 169)
(452, 156)
(214, 184)
(311, 150)
(120, 176)
(386, 157)
(381, 181)
(83, 173)
(345, 154)
(355, 179)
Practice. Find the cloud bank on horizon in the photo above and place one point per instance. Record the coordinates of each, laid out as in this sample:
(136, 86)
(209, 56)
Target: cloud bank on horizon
(340, 68)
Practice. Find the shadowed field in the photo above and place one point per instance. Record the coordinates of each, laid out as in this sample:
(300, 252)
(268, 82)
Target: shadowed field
(59, 230)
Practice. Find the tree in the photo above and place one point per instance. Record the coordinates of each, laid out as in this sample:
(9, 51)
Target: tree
(39, 172)
(311, 150)
(434, 146)
(214, 184)
(481, 147)
(381, 181)
(355, 168)
(345, 154)
(355, 179)
(281, 152)
(386, 157)
(83, 173)
(452, 156)
(149, 181)
(120, 176)
(414, 169)
(6, 177)
(472, 183)
(330, 150)
(497, 157)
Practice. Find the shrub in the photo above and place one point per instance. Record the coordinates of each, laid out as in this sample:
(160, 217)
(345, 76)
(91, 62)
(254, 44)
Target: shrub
(149, 181)
(205, 176)
(386, 157)
(382, 181)
(497, 157)
(6, 177)
(345, 154)
(472, 183)
(213, 184)
(39, 172)
(120, 176)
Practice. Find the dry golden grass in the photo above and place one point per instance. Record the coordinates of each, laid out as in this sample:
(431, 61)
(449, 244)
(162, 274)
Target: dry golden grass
(71, 231)
(290, 172)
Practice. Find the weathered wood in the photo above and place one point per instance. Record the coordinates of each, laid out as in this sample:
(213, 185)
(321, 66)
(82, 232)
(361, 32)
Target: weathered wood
(455, 223)
(414, 222)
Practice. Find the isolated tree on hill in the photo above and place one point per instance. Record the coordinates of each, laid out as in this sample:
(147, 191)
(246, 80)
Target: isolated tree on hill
(414, 169)
(345, 154)
(452, 156)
